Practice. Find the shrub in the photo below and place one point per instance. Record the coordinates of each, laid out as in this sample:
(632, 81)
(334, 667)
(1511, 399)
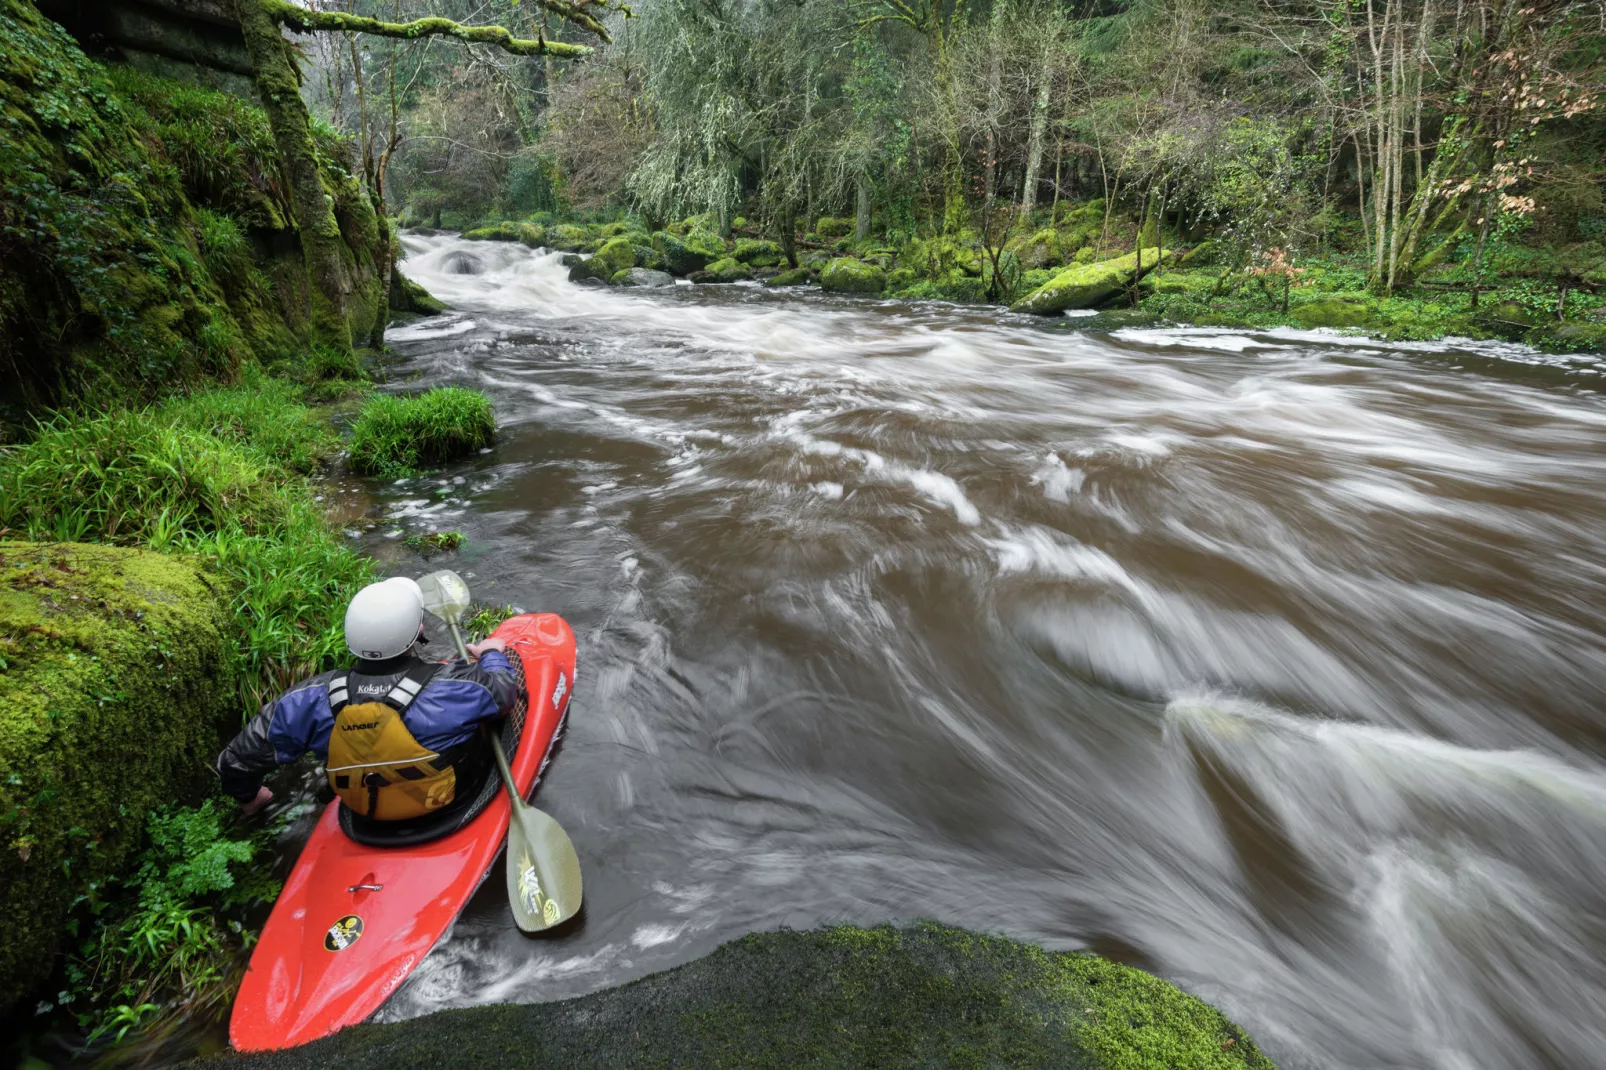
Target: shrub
(396, 434)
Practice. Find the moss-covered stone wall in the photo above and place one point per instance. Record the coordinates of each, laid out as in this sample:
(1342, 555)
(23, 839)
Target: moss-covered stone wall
(110, 705)
(146, 228)
(845, 997)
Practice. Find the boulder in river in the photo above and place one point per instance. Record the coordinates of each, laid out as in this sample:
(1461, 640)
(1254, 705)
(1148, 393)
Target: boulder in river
(757, 252)
(693, 251)
(618, 254)
(849, 276)
(923, 996)
(1088, 285)
(726, 270)
(644, 277)
(795, 277)
(117, 691)
(594, 268)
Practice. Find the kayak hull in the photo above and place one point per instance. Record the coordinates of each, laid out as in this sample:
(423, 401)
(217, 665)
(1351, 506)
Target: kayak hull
(354, 920)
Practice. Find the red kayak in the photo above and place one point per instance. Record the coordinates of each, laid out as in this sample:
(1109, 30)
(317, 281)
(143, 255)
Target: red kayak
(368, 900)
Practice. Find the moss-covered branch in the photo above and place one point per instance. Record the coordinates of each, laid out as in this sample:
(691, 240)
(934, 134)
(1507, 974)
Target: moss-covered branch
(308, 21)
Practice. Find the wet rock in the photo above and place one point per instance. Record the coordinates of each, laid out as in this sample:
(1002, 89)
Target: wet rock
(593, 268)
(928, 995)
(617, 254)
(845, 275)
(646, 278)
(795, 277)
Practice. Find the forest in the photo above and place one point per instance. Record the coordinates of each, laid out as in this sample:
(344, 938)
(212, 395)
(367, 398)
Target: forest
(1418, 167)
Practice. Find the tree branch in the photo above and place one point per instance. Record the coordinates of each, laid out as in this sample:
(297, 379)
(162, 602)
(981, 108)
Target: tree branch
(308, 21)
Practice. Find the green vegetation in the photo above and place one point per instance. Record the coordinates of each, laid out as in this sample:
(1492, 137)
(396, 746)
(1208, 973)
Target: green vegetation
(141, 225)
(396, 435)
(434, 542)
(110, 705)
(483, 618)
(925, 996)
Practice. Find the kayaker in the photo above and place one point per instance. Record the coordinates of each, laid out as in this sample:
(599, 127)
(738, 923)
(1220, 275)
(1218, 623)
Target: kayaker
(399, 735)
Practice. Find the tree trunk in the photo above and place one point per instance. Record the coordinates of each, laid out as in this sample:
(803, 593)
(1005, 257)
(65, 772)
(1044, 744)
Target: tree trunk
(1034, 139)
(323, 250)
(861, 207)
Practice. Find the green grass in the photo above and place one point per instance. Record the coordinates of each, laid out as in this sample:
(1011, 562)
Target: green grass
(396, 435)
(482, 619)
(215, 474)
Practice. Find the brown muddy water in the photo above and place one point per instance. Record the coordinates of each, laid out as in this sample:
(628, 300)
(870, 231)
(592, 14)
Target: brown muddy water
(1271, 662)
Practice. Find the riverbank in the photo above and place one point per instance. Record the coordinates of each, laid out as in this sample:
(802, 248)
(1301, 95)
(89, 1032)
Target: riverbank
(1180, 282)
(924, 996)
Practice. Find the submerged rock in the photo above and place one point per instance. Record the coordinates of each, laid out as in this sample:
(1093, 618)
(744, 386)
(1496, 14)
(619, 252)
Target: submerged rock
(117, 690)
(923, 996)
(1089, 285)
(846, 275)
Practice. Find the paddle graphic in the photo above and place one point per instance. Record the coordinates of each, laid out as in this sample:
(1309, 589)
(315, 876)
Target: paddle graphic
(543, 869)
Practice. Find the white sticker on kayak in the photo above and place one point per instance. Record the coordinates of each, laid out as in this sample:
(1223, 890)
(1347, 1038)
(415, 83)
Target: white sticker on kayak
(559, 691)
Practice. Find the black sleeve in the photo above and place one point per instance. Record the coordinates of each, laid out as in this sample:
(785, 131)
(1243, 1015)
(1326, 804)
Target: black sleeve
(494, 673)
(249, 757)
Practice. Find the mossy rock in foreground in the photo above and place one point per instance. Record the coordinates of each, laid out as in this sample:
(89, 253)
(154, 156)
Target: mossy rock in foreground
(115, 693)
(845, 997)
(846, 275)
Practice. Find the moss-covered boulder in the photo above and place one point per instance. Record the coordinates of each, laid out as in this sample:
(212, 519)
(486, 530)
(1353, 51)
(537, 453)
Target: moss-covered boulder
(833, 227)
(529, 234)
(849, 276)
(795, 277)
(1088, 285)
(1333, 310)
(726, 270)
(1561, 337)
(566, 237)
(581, 269)
(116, 689)
(1041, 250)
(925, 996)
(1507, 320)
(617, 254)
(692, 251)
(408, 296)
(643, 278)
(757, 253)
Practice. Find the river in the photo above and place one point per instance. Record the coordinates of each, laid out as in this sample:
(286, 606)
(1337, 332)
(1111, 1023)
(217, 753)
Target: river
(1271, 662)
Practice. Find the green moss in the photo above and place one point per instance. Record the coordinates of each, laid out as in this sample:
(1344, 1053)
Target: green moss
(691, 251)
(110, 705)
(1087, 286)
(845, 275)
(757, 253)
(795, 277)
(396, 434)
(833, 227)
(617, 254)
(924, 996)
(726, 270)
(1334, 311)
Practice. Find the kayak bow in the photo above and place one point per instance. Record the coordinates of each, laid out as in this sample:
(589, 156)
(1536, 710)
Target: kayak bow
(355, 919)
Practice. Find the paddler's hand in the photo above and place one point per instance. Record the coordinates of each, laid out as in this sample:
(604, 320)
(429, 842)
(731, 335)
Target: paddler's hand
(264, 796)
(479, 649)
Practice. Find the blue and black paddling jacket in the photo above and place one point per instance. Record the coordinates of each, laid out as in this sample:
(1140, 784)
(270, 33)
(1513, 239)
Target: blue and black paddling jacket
(459, 697)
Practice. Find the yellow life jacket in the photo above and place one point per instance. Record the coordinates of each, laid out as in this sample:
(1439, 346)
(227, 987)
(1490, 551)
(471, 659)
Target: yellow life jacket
(375, 765)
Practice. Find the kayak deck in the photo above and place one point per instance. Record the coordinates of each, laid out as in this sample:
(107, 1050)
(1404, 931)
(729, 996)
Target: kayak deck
(354, 920)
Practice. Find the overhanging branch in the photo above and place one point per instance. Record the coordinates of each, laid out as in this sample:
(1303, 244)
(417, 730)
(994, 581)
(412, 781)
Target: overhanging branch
(308, 21)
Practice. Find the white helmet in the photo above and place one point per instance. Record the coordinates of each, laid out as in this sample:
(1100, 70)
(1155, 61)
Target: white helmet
(385, 618)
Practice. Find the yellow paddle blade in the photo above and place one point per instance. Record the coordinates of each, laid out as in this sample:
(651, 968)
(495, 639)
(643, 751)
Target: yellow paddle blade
(543, 870)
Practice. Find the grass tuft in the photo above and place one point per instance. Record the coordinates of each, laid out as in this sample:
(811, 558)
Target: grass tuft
(433, 543)
(396, 435)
